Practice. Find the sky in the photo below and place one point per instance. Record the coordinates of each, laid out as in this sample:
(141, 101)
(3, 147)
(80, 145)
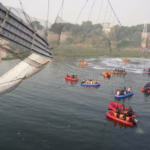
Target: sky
(129, 12)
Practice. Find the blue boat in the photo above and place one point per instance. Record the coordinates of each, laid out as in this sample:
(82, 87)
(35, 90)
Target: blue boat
(84, 84)
(123, 96)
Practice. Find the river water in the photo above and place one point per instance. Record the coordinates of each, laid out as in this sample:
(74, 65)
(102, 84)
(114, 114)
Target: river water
(46, 112)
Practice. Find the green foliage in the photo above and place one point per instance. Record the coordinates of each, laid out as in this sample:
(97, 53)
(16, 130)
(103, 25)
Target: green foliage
(69, 41)
(79, 33)
(91, 34)
(36, 25)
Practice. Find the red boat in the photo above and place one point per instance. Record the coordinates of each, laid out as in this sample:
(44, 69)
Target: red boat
(113, 105)
(70, 78)
(110, 114)
(147, 91)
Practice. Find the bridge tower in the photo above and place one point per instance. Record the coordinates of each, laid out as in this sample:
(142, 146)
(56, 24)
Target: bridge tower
(144, 37)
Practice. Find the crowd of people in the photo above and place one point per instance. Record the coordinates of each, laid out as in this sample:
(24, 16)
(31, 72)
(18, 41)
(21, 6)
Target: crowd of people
(83, 62)
(120, 70)
(73, 76)
(147, 87)
(147, 70)
(125, 114)
(89, 81)
(123, 91)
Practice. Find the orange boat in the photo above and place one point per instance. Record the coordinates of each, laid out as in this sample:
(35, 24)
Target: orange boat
(107, 74)
(83, 63)
(125, 59)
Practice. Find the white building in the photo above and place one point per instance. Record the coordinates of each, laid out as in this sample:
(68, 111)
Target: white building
(106, 27)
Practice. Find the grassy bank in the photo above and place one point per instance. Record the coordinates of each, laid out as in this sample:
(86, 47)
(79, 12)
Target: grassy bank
(76, 51)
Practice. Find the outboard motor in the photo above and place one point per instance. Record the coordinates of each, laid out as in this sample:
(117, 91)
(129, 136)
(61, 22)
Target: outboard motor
(135, 121)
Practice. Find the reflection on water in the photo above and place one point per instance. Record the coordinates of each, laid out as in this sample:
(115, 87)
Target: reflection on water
(118, 124)
(71, 82)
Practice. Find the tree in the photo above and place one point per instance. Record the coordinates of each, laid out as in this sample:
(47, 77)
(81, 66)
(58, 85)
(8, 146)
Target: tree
(36, 25)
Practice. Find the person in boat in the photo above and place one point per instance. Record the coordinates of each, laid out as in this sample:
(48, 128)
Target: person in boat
(127, 119)
(117, 107)
(115, 114)
(121, 116)
(116, 91)
(129, 90)
(125, 92)
(124, 88)
(130, 111)
(148, 84)
(121, 92)
(123, 108)
(83, 81)
(93, 82)
(72, 76)
(118, 112)
(87, 81)
(67, 75)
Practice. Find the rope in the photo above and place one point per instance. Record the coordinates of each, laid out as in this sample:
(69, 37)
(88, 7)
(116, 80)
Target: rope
(100, 11)
(61, 8)
(114, 13)
(81, 11)
(27, 18)
(47, 15)
(105, 12)
(91, 9)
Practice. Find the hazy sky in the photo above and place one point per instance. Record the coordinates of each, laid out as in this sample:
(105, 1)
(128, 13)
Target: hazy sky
(129, 12)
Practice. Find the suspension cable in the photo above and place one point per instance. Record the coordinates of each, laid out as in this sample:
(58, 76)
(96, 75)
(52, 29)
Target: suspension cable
(27, 18)
(91, 10)
(105, 12)
(81, 11)
(47, 15)
(100, 11)
(60, 10)
(114, 13)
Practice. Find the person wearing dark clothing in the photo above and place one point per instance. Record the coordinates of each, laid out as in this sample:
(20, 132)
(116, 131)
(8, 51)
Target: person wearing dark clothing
(68, 75)
(73, 76)
(117, 108)
(123, 108)
(122, 92)
(130, 111)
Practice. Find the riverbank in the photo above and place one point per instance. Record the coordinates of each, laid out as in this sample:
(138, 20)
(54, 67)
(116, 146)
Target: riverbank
(76, 51)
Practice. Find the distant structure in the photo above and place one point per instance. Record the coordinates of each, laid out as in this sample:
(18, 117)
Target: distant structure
(144, 43)
(106, 27)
